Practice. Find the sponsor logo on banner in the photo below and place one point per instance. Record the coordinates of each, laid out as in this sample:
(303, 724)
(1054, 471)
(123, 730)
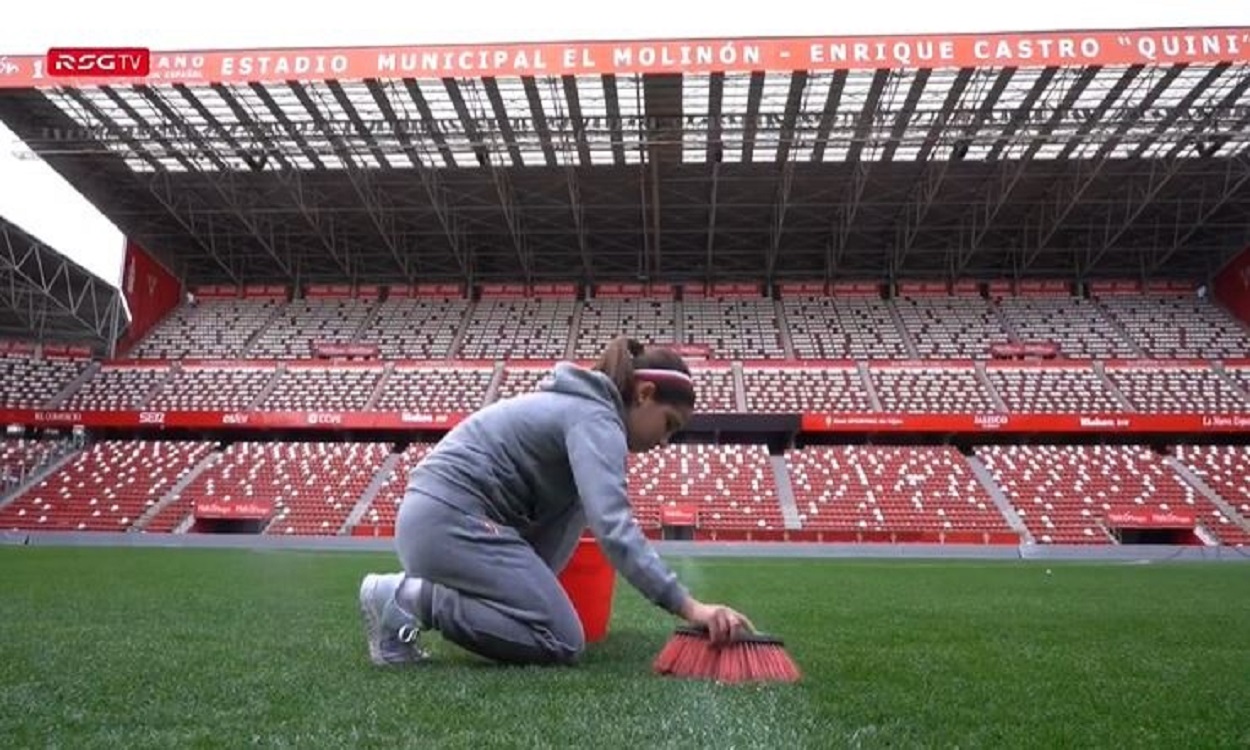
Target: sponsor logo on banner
(99, 62)
(151, 417)
(409, 417)
(991, 421)
(324, 418)
(1239, 421)
(1153, 518)
(1103, 423)
(60, 417)
(679, 515)
(234, 418)
(240, 510)
(8, 67)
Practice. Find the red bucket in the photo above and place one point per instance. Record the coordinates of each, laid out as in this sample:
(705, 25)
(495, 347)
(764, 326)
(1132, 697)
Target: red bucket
(589, 580)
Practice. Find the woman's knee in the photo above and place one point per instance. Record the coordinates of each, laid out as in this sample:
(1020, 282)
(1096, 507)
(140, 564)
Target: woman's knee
(565, 643)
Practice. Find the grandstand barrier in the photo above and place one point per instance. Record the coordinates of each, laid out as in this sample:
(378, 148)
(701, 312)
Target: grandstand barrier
(1032, 552)
(790, 536)
(335, 350)
(1033, 349)
(991, 422)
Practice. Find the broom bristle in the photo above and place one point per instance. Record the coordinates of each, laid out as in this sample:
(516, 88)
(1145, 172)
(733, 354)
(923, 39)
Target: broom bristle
(754, 657)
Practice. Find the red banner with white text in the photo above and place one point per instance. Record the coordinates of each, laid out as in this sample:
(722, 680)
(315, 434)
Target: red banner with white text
(826, 423)
(1151, 519)
(679, 514)
(255, 420)
(245, 510)
(1028, 423)
(1161, 47)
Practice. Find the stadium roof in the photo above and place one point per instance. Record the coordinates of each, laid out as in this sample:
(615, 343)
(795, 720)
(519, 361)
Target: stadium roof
(1089, 154)
(48, 295)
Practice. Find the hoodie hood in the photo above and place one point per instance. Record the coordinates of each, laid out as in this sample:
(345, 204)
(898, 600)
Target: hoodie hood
(574, 380)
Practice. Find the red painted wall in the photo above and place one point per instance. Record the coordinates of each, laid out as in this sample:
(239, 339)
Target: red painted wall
(1232, 286)
(151, 292)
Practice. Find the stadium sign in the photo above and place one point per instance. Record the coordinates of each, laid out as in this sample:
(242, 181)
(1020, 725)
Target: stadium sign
(1037, 49)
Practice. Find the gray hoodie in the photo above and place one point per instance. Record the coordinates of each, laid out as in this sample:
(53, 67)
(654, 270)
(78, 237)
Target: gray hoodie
(523, 461)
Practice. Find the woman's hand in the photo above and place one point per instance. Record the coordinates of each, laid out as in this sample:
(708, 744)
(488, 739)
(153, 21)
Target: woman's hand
(722, 623)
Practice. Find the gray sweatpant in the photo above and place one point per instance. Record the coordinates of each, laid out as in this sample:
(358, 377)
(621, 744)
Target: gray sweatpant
(488, 589)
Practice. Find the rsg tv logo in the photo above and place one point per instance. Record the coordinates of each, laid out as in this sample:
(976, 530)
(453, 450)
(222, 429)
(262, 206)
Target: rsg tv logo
(97, 62)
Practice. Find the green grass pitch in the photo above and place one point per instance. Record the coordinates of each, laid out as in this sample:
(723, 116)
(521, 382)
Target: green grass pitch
(162, 648)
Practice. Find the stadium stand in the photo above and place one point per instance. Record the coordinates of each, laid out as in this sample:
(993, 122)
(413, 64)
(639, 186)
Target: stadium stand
(957, 327)
(323, 388)
(1074, 323)
(931, 390)
(733, 328)
(1173, 326)
(311, 486)
(793, 389)
(28, 383)
(1054, 391)
(732, 486)
(21, 458)
(1226, 470)
(648, 319)
(716, 388)
(519, 328)
(1177, 390)
(208, 329)
(415, 327)
(1064, 492)
(106, 487)
(919, 490)
(837, 328)
(436, 388)
(303, 322)
(522, 379)
(118, 387)
(192, 387)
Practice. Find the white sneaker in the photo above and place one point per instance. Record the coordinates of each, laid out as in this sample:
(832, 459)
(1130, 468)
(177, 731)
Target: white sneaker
(393, 635)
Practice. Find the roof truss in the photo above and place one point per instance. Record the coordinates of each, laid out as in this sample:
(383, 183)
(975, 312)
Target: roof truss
(44, 293)
(1122, 166)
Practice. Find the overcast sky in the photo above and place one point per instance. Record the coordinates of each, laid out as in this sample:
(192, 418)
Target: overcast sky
(42, 203)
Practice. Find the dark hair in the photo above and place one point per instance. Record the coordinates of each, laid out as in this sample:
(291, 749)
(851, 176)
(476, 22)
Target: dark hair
(624, 357)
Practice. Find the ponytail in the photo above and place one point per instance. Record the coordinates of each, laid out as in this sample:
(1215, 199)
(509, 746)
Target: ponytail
(624, 359)
(617, 362)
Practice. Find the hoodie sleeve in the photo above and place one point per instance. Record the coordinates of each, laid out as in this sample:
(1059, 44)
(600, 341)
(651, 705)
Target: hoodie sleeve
(597, 454)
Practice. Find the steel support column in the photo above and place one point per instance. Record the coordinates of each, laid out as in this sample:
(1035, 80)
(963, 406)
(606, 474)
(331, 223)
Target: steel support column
(512, 217)
(921, 199)
(711, 221)
(844, 218)
(777, 226)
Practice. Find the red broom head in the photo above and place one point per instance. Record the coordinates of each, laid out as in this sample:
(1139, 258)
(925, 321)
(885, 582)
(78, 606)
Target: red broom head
(749, 657)
(680, 653)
